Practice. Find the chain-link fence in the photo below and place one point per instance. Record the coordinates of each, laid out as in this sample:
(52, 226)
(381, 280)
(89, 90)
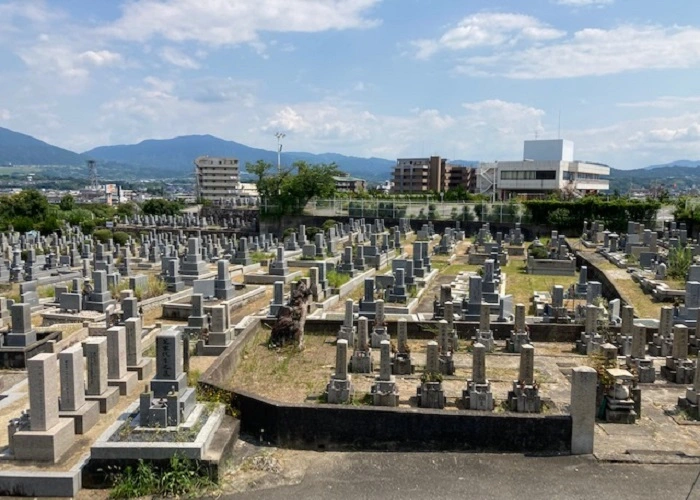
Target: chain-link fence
(414, 209)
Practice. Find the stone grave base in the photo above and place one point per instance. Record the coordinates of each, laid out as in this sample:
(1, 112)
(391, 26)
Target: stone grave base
(139, 445)
(361, 362)
(203, 349)
(16, 357)
(644, 368)
(270, 279)
(339, 391)
(620, 412)
(144, 369)
(446, 364)
(401, 365)
(45, 446)
(84, 417)
(58, 317)
(679, 372)
(189, 280)
(477, 397)
(41, 483)
(108, 400)
(690, 403)
(524, 399)
(385, 393)
(516, 341)
(126, 384)
(431, 395)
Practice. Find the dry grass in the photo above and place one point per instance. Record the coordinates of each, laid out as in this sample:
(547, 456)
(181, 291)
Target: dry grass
(287, 374)
(522, 285)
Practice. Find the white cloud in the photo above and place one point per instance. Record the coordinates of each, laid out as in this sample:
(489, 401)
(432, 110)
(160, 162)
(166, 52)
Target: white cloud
(488, 30)
(584, 3)
(61, 60)
(178, 58)
(480, 129)
(223, 22)
(596, 52)
(663, 102)
(5, 114)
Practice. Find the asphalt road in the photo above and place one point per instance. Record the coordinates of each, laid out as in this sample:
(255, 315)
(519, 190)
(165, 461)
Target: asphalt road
(354, 476)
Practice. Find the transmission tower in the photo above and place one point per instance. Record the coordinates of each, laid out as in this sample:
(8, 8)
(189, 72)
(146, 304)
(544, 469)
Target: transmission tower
(92, 174)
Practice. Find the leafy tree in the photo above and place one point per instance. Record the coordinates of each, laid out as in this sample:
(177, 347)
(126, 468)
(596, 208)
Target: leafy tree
(559, 218)
(260, 169)
(160, 206)
(286, 191)
(67, 203)
(126, 209)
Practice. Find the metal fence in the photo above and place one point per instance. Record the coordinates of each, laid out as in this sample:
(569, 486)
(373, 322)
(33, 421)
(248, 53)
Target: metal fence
(415, 209)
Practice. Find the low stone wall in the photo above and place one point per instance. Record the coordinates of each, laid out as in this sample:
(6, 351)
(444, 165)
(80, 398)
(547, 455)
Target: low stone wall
(551, 267)
(425, 330)
(154, 302)
(322, 426)
(222, 369)
(181, 310)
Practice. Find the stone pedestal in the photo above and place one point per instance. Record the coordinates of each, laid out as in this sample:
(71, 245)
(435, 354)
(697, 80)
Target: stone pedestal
(361, 362)
(431, 395)
(339, 389)
(643, 367)
(524, 399)
(478, 396)
(485, 337)
(517, 340)
(44, 446)
(384, 390)
(401, 365)
(446, 364)
(678, 371)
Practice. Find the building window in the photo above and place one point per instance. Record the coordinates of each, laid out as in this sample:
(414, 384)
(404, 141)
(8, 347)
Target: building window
(528, 175)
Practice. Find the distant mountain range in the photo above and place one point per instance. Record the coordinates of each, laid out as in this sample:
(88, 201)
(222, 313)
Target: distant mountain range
(173, 158)
(22, 149)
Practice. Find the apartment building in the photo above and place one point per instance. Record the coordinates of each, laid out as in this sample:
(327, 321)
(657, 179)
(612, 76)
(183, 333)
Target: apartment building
(547, 166)
(216, 179)
(420, 175)
(345, 183)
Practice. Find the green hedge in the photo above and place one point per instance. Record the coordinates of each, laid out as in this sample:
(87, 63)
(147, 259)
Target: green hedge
(613, 213)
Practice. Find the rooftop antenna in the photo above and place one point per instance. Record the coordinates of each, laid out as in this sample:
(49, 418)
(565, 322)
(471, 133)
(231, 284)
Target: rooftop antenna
(92, 174)
(559, 126)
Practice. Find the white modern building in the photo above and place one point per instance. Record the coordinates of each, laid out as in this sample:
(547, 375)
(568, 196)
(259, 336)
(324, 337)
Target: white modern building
(216, 179)
(547, 166)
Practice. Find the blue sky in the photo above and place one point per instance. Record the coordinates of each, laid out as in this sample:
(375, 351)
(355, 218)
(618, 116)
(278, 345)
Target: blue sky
(465, 79)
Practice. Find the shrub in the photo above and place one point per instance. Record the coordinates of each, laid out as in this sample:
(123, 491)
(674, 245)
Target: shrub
(102, 235)
(87, 227)
(336, 279)
(120, 237)
(181, 476)
(679, 261)
(329, 223)
(538, 252)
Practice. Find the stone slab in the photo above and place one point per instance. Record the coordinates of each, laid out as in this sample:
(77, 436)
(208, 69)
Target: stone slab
(45, 446)
(126, 384)
(107, 400)
(145, 369)
(269, 279)
(84, 417)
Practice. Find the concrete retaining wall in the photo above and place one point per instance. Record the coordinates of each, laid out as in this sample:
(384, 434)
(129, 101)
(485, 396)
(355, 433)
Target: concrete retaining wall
(323, 426)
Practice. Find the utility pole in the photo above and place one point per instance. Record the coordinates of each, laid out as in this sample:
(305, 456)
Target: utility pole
(279, 136)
